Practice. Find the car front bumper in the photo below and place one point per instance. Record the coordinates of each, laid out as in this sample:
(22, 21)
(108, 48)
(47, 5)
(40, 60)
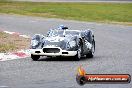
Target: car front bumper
(60, 53)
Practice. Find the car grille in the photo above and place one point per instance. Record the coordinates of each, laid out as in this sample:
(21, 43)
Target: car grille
(51, 50)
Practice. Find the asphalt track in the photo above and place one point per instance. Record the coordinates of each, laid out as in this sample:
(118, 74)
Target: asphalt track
(113, 55)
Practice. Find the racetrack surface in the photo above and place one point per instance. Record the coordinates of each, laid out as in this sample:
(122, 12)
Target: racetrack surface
(113, 55)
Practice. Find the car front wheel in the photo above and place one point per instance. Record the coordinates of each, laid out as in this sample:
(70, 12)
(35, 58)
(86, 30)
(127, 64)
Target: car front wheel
(35, 57)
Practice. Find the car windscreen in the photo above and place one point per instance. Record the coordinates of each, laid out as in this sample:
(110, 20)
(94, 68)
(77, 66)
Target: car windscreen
(56, 33)
(72, 33)
(62, 33)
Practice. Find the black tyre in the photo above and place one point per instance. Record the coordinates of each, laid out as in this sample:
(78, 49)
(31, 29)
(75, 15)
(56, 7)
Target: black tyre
(91, 53)
(35, 57)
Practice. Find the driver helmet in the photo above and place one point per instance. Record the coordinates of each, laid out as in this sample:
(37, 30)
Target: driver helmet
(61, 27)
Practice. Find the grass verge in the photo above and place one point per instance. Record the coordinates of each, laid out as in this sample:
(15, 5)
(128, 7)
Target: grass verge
(10, 43)
(97, 12)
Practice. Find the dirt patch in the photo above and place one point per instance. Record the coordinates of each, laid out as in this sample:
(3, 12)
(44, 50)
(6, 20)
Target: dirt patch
(12, 43)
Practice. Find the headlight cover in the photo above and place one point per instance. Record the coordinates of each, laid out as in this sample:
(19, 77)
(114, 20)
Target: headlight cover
(71, 44)
(34, 43)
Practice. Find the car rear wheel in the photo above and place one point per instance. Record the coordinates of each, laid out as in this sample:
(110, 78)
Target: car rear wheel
(35, 57)
(91, 53)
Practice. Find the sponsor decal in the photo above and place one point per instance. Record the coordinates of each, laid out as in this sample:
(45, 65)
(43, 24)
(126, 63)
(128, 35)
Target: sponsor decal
(88, 44)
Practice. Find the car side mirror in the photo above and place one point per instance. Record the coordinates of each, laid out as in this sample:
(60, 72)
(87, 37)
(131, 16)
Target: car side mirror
(93, 36)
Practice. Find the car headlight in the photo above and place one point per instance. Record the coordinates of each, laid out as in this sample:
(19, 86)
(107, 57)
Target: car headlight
(72, 44)
(34, 43)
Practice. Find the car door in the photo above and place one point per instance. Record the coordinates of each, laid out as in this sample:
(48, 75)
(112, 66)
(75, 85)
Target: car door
(86, 39)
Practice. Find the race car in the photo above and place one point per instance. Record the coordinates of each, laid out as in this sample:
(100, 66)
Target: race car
(70, 43)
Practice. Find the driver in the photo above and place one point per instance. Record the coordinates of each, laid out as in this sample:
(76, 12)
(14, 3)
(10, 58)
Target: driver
(61, 27)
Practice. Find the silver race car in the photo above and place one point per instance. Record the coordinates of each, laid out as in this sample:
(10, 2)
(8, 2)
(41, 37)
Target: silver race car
(72, 43)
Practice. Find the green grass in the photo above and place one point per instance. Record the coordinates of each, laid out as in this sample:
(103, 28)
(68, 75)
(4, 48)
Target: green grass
(4, 47)
(12, 43)
(95, 12)
(3, 35)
